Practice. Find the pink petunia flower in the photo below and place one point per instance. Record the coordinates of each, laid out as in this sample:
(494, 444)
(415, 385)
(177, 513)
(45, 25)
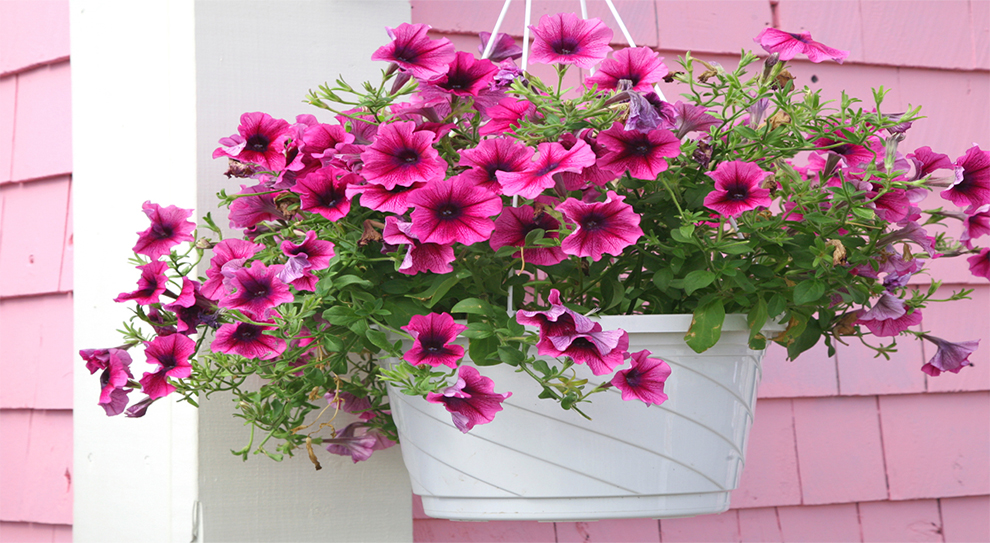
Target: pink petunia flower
(248, 211)
(515, 223)
(491, 156)
(601, 350)
(641, 66)
(359, 441)
(325, 192)
(116, 373)
(737, 188)
(471, 401)
(377, 197)
(690, 118)
(433, 335)
(449, 210)
(979, 264)
(311, 254)
(949, 356)
(467, 76)
(505, 47)
(552, 158)
(506, 115)
(926, 161)
(975, 225)
(640, 153)
(401, 155)
(248, 340)
(416, 53)
(555, 322)
(602, 227)
(889, 317)
(644, 380)
(973, 189)
(260, 140)
(565, 38)
(169, 227)
(789, 45)
(150, 286)
(420, 257)
(349, 403)
(171, 355)
(257, 290)
(231, 250)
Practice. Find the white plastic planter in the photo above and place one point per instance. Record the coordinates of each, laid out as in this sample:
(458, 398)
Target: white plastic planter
(536, 461)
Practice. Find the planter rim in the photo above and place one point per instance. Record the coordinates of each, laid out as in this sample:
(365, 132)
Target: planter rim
(632, 324)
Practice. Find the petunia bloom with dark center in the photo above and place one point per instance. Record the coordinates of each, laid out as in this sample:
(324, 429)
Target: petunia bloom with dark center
(171, 354)
(433, 340)
(471, 401)
(402, 155)
(414, 52)
(515, 223)
(260, 140)
(602, 227)
(257, 290)
(169, 227)
(565, 38)
(973, 189)
(642, 154)
(641, 66)
(467, 76)
(150, 286)
(644, 380)
(737, 188)
(248, 340)
(452, 210)
(324, 192)
(788, 45)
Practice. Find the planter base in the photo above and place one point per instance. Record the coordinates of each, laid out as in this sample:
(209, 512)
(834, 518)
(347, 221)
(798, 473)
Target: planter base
(576, 509)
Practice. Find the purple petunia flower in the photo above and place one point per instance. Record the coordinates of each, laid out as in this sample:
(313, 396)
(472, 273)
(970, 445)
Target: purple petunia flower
(232, 250)
(515, 223)
(555, 322)
(257, 290)
(449, 210)
(433, 334)
(565, 38)
(377, 197)
(979, 264)
(926, 161)
(505, 47)
(248, 340)
(171, 355)
(115, 364)
(602, 227)
(150, 286)
(552, 158)
(601, 350)
(641, 66)
(349, 403)
(640, 153)
(191, 308)
(260, 140)
(358, 441)
(644, 380)
(949, 356)
(690, 118)
(311, 254)
(402, 155)
(975, 225)
(416, 53)
(973, 189)
(648, 112)
(789, 45)
(420, 257)
(325, 192)
(471, 401)
(889, 316)
(491, 156)
(467, 76)
(737, 188)
(169, 227)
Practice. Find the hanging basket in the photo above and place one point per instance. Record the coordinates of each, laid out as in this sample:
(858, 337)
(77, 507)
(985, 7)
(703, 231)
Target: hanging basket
(536, 461)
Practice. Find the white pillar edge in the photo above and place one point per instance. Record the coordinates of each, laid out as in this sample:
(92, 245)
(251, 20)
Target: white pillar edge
(134, 139)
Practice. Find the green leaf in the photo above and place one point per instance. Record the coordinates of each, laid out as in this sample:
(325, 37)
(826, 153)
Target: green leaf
(807, 339)
(756, 319)
(483, 351)
(697, 279)
(379, 339)
(478, 330)
(341, 315)
(864, 213)
(344, 280)
(808, 291)
(736, 248)
(541, 366)
(662, 278)
(474, 306)
(706, 326)
(510, 356)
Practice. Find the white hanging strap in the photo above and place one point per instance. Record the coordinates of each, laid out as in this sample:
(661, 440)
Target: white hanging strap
(529, 15)
(498, 25)
(618, 20)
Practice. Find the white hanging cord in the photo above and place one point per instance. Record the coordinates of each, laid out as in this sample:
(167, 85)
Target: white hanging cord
(498, 25)
(618, 20)
(584, 15)
(529, 15)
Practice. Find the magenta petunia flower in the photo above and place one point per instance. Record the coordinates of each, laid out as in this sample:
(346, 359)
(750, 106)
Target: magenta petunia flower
(416, 53)
(116, 373)
(401, 155)
(552, 158)
(555, 322)
(979, 264)
(789, 45)
(973, 190)
(491, 156)
(171, 355)
(96, 359)
(853, 156)
(231, 250)
(325, 192)
(311, 254)
(471, 401)
(506, 115)
(248, 211)
(449, 210)
(640, 153)
(737, 188)
(433, 335)
(648, 112)
(248, 340)
(505, 46)
(420, 257)
(467, 76)
(644, 380)
(169, 227)
(191, 308)
(515, 223)
(358, 441)
(949, 356)
(377, 197)
(349, 403)
(257, 290)
(975, 225)
(565, 38)
(641, 66)
(884, 324)
(601, 350)
(260, 140)
(602, 227)
(150, 286)
(926, 161)
(690, 118)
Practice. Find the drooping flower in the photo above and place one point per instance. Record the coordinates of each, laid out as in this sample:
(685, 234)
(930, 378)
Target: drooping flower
(230, 250)
(889, 316)
(552, 158)
(926, 161)
(515, 223)
(555, 322)
(434, 334)
(973, 190)
(948, 356)
(325, 192)
(640, 153)
(248, 340)
(601, 350)
(504, 48)
(789, 45)
(975, 225)
(506, 115)
(471, 401)
(641, 66)
(644, 380)
(169, 227)
(420, 257)
(737, 188)
(358, 441)
(140, 409)
(402, 155)
(349, 403)
(491, 156)
(413, 51)
(257, 290)
(171, 355)
(260, 140)
(150, 286)
(565, 38)
(248, 211)
(691, 118)
(191, 308)
(467, 76)
(311, 254)
(979, 264)
(116, 372)
(602, 227)
(648, 112)
(453, 210)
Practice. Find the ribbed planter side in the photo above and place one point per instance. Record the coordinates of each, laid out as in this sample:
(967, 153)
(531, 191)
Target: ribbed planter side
(537, 461)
